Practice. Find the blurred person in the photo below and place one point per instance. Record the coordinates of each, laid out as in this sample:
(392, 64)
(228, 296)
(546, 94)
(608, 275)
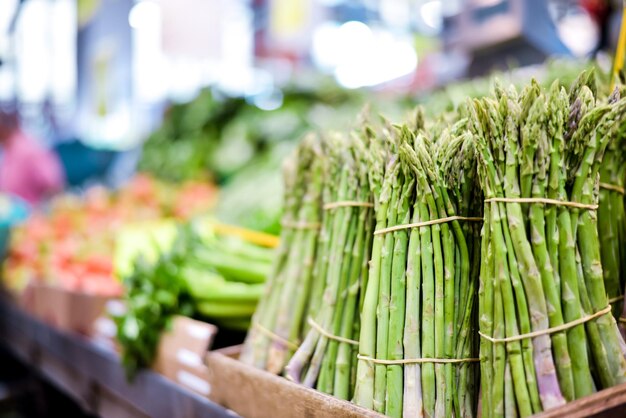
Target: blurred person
(27, 169)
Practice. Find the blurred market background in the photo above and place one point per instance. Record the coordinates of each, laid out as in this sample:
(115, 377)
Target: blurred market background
(191, 89)
(127, 112)
(221, 90)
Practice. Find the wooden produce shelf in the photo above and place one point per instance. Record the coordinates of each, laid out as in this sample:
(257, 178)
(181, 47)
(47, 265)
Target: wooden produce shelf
(93, 376)
(607, 403)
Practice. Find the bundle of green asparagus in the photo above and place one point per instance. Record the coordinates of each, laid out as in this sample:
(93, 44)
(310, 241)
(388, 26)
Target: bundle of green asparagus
(547, 335)
(612, 222)
(420, 307)
(279, 320)
(417, 344)
(327, 357)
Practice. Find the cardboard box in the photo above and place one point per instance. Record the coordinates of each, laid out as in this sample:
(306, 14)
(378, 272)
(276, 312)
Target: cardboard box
(181, 353)
(104, 328)
(67, 310)
(255, 393)
(25, 299)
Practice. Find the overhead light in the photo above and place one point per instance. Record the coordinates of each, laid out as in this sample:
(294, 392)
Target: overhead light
(144, 14)
(579, 33)
(486, 3)
(360, 56)
(431, 14)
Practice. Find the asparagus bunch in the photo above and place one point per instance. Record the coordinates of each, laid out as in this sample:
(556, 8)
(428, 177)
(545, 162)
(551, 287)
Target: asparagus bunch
(612, 219)
(457, 159)
(327, 356)
(541, 266)
(419, 301)
(278, 322)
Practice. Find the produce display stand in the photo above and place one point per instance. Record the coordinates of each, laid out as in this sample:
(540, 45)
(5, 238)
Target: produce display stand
(93, 376)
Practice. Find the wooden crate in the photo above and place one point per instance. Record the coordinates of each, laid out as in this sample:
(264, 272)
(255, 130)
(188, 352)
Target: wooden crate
(608, 403)
(255, 393)
(67, 310)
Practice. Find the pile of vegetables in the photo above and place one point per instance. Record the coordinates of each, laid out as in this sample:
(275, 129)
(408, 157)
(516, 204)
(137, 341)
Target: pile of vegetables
(226, 277)
(216, 134)
(192, 271)
(71, 244)
(241, 145)
(459, 249)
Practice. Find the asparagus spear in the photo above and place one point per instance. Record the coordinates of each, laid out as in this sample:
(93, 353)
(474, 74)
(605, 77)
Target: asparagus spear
(397, 305)
(412, 396)
(345, 353)
(381, 187)
(499, 353)
(327, 373)
(320, 269)
(485, 310)
(384, 291)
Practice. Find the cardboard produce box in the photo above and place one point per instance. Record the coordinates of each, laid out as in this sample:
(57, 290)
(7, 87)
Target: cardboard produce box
(255, 393)
(25, 299)
(67, 310)
(181, 352)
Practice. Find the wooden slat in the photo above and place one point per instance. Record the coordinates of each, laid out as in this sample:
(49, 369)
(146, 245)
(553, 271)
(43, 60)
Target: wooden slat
(608, 403)
(255, 393)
